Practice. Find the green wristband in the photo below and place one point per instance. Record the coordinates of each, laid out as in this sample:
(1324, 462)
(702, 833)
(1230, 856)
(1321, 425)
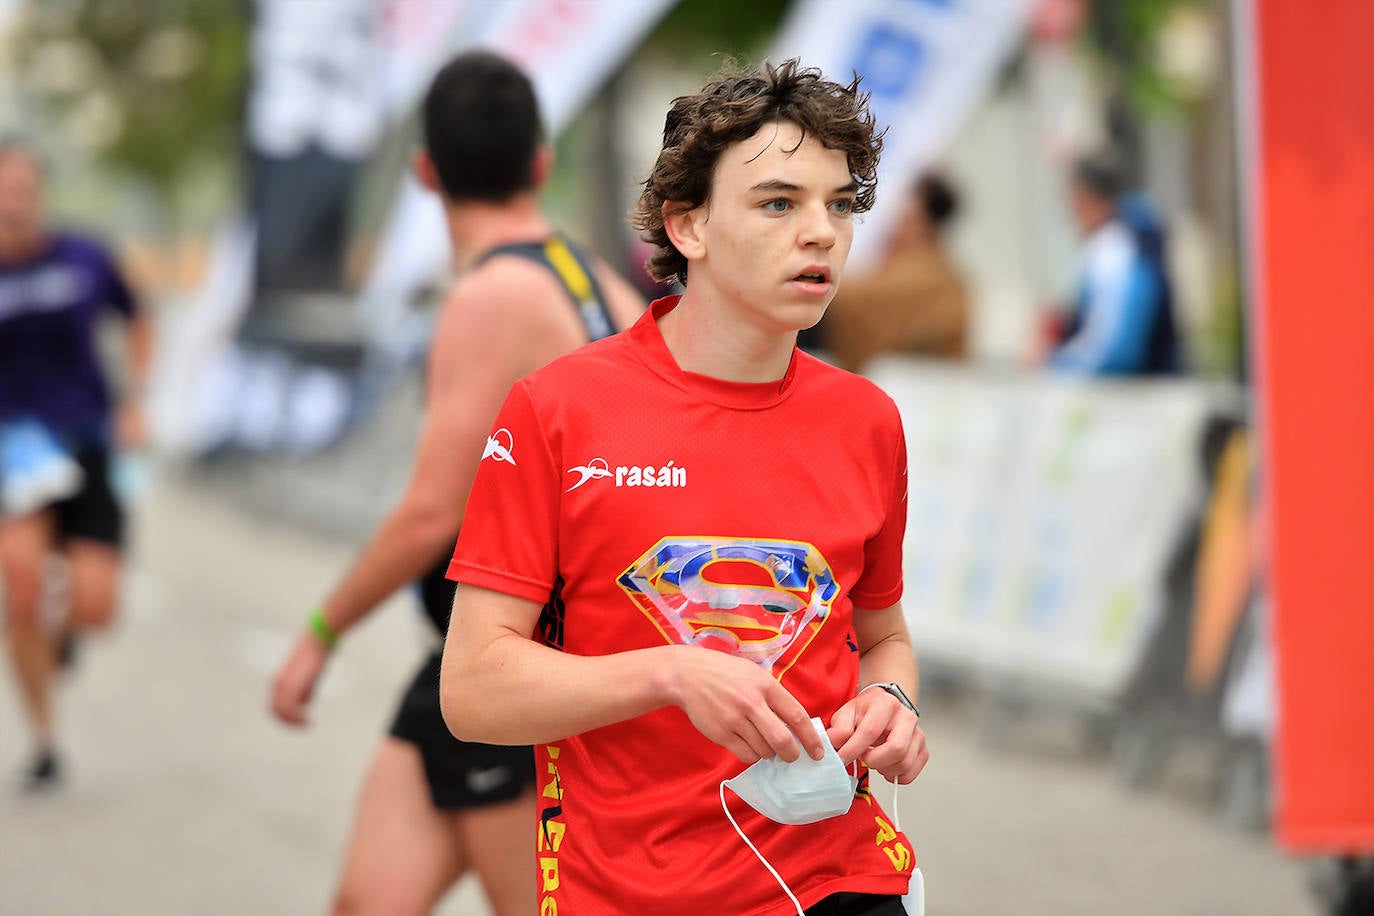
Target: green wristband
(326, 634)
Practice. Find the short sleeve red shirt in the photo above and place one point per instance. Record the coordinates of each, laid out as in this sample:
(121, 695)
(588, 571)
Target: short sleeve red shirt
(647, 506)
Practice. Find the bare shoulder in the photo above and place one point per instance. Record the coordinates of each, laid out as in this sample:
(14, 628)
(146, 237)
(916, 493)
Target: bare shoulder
(521, 295)
(502, 289)
(510, 300)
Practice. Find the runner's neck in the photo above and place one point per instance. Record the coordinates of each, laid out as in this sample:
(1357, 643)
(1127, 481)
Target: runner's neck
(704, 339)
(477, 227)
(22, 247)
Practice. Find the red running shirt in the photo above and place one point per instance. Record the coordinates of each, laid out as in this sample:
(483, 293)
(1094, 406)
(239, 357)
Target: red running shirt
(658, 506)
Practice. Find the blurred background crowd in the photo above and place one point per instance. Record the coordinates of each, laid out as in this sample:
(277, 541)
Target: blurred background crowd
(1055, 289)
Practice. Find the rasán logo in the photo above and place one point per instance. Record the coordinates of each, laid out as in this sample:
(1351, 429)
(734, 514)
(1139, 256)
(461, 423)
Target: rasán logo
(592, 470)
(648, 475)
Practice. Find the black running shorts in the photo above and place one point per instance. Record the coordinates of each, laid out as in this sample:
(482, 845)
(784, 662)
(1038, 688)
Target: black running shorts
(848, 904)
(93, 513)
(461, 774)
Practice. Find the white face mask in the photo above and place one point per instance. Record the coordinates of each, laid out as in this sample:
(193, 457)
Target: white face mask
(802, 792)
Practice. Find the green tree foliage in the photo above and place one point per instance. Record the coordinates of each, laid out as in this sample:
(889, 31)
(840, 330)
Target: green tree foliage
(1126, 37)
(699, 28)
(153, 87)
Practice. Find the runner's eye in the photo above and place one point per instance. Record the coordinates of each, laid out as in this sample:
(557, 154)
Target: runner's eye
(844, 206)
(777, 205)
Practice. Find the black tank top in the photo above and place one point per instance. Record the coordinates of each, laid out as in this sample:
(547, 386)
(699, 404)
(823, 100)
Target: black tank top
(572, 266)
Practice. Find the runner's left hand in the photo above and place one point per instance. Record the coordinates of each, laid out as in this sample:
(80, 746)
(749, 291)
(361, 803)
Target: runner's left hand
(295, 682)
(876, 728)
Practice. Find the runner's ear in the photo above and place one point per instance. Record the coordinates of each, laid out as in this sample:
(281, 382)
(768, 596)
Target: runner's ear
(683, 225)
(541, 167)
(424, 170)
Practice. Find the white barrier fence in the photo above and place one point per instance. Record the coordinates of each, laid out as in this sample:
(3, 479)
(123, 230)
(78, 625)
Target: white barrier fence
(1041, 514)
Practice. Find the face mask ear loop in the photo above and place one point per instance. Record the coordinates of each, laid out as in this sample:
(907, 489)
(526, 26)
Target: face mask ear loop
(771, 870)
(896, 812)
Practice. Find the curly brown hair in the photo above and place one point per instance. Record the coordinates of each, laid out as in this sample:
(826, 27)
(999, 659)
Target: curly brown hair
(732, 108)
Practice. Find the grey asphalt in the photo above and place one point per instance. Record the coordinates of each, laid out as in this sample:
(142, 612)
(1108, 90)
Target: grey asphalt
(183, 797)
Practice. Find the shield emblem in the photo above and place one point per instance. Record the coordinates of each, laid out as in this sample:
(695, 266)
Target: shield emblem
(758, 599)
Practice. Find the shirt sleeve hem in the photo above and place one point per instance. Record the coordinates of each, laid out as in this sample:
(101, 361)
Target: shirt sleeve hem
(499, 581)
(873, 601)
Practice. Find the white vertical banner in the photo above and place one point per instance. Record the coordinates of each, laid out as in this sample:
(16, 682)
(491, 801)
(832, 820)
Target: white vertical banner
(415, 39)
(568, 48)
(925, 62)
(328, 77)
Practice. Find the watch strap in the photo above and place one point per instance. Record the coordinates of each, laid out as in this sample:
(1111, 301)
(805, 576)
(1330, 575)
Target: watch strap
(896, 691)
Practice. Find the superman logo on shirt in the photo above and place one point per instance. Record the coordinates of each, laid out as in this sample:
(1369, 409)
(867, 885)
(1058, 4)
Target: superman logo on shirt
(763, 600)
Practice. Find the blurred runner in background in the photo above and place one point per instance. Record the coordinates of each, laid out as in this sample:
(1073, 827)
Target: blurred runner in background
(433, 806)
(57, 431)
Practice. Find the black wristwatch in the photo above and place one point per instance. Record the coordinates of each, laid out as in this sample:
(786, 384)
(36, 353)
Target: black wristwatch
(897, 692)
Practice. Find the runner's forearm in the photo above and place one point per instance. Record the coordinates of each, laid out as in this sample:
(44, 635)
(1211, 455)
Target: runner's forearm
(890, 661)
(516, 691)
(408, 543)
(138, 352)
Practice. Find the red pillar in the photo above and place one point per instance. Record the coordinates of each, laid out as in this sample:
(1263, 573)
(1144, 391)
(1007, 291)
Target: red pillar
(1313, 332)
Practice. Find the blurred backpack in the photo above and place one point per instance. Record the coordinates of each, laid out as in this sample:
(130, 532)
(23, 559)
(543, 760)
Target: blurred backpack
(1141, 219)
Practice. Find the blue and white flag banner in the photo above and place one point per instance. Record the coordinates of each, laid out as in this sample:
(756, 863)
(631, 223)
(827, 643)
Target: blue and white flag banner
(926, 63)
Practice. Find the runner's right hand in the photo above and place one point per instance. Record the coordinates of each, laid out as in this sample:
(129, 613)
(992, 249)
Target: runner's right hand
(296, 679)
(739, 705)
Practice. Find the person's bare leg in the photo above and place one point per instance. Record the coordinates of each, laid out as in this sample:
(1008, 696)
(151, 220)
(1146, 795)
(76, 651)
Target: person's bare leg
(500, 842)
(24, 544)
(404, 853)
(93, 571)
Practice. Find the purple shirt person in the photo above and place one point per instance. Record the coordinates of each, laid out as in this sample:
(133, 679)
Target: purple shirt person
(55, 407)
(50, 306)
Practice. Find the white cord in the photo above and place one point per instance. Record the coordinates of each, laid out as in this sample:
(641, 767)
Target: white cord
(896, 812)
(916, 886)
(771, 870)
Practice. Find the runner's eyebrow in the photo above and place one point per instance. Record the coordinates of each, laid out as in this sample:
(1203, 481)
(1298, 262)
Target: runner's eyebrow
(777, 184)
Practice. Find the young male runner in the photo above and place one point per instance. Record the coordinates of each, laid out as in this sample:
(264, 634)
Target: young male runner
(702, 527)
(54, 289)
(433, 806)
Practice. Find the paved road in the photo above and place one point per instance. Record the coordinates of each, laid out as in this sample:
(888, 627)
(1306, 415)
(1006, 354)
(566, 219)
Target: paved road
(183, 797)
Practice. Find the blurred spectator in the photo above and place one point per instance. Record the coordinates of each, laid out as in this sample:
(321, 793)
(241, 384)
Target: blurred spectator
(56, 435)
(1122, 320)
(915, 302)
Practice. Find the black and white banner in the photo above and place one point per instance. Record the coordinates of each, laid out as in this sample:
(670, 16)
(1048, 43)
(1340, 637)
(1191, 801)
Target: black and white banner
(315, 112)
(330, 78)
